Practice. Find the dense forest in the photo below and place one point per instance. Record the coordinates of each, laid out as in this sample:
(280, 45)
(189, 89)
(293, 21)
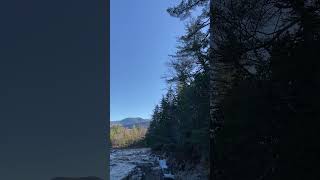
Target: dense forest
(244, 85)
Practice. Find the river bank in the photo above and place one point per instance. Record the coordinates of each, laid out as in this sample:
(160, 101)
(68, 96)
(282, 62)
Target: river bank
(142, 164)
(131, 163)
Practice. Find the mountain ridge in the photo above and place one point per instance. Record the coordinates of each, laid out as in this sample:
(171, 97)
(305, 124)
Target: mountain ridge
(132, 121)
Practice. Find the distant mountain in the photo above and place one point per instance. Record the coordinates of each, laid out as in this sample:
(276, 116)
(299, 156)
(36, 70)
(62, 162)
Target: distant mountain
(130, 122)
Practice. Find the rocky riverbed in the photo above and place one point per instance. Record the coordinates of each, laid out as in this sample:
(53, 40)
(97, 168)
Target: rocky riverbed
(133, 164)
(142, 164)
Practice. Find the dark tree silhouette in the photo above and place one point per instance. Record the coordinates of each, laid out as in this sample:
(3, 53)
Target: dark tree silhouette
(247, 72)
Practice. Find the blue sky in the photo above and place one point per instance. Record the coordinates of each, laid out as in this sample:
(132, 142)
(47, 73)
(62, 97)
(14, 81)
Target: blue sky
(142, 36)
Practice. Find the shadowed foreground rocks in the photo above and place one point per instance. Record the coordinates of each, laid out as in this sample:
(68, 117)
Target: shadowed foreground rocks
(145, 171)
(77, 178)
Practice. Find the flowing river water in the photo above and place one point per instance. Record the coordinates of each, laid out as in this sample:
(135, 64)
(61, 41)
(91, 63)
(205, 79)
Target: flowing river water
(132, 164)
(142, 164)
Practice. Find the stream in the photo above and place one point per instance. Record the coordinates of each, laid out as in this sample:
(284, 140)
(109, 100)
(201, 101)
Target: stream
(133, 164)
(142, 164)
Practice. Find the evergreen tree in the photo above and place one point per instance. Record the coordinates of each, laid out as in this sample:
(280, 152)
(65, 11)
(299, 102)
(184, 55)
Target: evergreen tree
(249, 69)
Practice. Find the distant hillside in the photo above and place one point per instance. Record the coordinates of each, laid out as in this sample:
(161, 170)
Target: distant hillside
(130, 122)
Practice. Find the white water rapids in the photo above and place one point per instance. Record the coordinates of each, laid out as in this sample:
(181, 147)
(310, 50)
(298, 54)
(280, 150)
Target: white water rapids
(124, 161)
(131, 164)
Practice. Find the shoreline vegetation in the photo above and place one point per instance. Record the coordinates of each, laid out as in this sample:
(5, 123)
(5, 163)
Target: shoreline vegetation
(128, 139)
(125, 138)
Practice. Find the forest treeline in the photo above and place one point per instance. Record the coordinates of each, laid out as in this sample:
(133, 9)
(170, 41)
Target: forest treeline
(122, 137)
(244, 89)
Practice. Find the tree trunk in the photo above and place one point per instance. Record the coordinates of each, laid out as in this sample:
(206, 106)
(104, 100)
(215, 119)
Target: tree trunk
(211, 93)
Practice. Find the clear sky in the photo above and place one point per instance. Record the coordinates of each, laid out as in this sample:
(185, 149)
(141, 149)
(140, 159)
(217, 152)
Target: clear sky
(142, 36)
